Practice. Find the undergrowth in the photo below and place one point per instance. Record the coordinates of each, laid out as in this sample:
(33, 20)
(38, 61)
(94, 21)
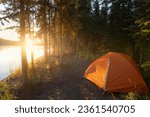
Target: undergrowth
(4, 92)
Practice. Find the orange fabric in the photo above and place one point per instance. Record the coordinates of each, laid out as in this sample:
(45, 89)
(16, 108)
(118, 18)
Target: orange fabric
(116, 72)
(96, 73)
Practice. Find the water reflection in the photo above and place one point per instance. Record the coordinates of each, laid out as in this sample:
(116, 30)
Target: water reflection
(10, 58)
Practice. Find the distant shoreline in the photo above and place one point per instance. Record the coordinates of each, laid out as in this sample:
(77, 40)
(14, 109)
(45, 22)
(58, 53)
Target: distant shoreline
(8, 42)
(4, 42)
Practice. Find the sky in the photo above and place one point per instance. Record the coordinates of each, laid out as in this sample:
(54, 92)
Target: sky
(8, 34)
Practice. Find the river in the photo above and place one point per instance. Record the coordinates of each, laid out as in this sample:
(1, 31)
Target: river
(10, 58)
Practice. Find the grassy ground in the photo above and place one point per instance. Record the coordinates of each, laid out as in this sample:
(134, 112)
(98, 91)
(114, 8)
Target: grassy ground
(60, 82)
(4, 92)
(63, 82)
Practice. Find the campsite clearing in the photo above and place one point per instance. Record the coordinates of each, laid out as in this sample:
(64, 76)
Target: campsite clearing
(62, 82)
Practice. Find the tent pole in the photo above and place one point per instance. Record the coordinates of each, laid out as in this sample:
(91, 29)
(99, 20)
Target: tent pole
(106, 74)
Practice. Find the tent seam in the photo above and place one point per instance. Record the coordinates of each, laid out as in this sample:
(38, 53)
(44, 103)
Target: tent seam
(106, 78)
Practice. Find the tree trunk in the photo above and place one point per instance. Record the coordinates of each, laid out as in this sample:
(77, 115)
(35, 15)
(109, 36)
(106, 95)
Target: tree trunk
(60, 36)
(49, 32)
(31, 34)
(57, 34)
(23, 42)
(45, 34)
(77, 48)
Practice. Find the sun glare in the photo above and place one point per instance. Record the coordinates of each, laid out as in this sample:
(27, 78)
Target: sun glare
(29, 42)
(29, 45)
(32, 48)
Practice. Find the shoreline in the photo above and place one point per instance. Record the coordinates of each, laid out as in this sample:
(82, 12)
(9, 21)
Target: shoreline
(19, 69)
(12, 63)
(14, 81)
(60, 81)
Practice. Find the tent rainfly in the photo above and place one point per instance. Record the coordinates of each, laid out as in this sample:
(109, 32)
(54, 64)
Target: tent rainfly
(116, 72)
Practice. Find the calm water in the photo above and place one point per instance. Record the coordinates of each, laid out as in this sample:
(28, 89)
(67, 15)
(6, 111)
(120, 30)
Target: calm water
(10, 58)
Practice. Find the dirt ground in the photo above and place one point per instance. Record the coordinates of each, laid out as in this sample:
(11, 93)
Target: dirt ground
(62, 82)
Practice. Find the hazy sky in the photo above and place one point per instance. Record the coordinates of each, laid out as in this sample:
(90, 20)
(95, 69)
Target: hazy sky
(8, 34)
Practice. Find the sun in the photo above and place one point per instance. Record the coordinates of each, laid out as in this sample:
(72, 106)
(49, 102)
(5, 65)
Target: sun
(29, 42)
(29, 45)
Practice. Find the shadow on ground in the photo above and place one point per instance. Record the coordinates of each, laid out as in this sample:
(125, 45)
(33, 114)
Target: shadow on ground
(62, 82)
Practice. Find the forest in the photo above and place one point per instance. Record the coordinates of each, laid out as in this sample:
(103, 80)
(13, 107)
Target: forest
(85, 28)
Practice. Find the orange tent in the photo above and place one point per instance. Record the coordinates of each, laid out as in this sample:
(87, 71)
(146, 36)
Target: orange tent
(115, 72)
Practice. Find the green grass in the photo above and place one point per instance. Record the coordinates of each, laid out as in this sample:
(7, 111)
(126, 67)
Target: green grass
(4, 92)
(146, 66)
(134, 96)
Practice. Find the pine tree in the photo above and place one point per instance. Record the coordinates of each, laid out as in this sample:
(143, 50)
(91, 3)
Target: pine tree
(16, 11)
